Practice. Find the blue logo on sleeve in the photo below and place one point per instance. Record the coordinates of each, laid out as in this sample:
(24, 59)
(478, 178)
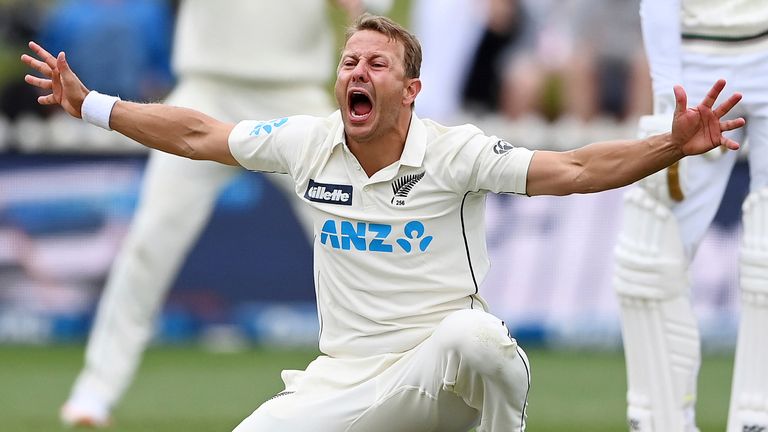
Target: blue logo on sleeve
(268, 126)
(372, 237)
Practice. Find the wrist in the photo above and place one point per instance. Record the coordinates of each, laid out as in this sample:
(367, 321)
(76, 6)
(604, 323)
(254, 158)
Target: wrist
(675, 147)
(97, 108)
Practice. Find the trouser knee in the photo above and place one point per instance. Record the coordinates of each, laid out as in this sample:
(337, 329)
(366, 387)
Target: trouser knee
(480, 339)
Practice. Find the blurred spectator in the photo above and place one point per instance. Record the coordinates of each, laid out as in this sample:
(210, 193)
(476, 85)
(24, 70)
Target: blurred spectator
(484, 56)
(19, 22)
(449, 31)
(507, 30)
(132, 39)
(578, 58)
(607, 73)
(533, 71)
(468, 45)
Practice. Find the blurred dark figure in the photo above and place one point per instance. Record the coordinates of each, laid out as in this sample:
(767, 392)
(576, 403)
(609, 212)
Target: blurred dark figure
(19, 23)
(507, 28)
(608, 73)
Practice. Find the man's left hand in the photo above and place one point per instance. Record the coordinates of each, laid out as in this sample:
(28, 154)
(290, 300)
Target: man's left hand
(699, 129)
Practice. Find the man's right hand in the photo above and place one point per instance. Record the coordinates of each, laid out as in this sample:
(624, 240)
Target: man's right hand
(66, 88)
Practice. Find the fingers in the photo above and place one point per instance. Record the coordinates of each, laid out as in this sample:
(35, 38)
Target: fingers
(47, 100)
(42, 83)
(726, 106)
(62, 66)
(729, 125)
(731, 144)
(713, 93)
(681, 100)
(61, 62)
(36, 64)
(44, 55)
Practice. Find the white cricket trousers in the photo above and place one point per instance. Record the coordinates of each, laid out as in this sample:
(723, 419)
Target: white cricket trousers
(469, 372)
(706, 178)
(176, 201)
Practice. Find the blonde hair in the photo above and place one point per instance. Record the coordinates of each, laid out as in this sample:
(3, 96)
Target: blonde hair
(412, 53)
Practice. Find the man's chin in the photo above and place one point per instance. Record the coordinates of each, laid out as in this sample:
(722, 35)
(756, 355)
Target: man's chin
(358, 133)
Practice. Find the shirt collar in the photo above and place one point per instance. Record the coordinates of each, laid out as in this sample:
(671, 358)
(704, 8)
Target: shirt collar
(415, 142)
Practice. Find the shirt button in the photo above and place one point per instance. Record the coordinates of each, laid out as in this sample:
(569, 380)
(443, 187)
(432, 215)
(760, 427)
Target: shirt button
(367, 188)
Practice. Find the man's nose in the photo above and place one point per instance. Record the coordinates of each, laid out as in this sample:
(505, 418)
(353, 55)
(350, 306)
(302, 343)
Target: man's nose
(360, 73)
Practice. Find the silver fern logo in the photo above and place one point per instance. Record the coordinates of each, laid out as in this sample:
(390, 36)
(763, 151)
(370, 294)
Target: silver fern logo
(402, 187)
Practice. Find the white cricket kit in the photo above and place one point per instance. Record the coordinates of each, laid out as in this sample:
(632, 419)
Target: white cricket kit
(395, 254)
(247, 40)
(732, 20)
(234, 60)
(694, 43)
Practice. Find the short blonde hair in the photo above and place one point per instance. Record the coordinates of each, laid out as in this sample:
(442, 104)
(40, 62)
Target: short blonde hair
(412, 53)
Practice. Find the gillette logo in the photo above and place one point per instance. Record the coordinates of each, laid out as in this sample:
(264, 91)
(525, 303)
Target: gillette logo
(329, 193)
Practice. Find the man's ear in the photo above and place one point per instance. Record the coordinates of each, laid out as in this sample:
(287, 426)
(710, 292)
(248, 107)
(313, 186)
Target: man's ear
(411, 91)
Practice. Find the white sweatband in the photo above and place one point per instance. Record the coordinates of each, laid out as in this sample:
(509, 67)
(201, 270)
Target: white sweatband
(97, 108)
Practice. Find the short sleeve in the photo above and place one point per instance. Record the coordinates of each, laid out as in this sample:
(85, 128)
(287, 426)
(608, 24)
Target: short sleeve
(498, 166)
(273, 145)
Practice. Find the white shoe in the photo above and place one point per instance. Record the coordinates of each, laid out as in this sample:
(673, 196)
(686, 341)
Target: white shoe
(85, 412)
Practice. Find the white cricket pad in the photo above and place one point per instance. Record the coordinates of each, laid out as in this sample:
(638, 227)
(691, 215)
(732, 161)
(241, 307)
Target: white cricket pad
(749, 392)
(661, 337)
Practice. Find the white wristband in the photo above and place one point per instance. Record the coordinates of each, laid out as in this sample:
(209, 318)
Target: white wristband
(97, 108)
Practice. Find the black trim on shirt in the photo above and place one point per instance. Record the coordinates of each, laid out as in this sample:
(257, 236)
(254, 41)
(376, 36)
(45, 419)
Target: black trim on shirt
(527, 391)
(466, 246)
(702, 37)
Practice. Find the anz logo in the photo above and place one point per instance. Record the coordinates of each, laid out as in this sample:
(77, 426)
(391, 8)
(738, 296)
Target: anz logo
(347, 235)
(268, 126)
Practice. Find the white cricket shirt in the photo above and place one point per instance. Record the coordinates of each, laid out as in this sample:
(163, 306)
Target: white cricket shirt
(281, 42)
(672, 27)
(725, 20)
(395, 253)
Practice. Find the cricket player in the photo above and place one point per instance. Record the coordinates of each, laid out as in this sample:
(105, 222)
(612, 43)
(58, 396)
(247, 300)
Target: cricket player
(692, 42)
(397, 204)
(245, 59)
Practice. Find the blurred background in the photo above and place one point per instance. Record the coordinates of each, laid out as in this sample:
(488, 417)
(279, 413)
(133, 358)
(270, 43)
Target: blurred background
(552, 74)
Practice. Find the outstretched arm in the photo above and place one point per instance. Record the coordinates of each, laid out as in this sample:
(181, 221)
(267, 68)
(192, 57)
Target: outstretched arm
(180, 131)
(608, 165)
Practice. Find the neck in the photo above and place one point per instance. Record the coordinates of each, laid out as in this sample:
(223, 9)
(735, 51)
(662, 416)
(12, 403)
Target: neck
(380, 151)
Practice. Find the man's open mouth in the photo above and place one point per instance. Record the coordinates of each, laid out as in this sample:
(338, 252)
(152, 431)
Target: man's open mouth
(360, 106)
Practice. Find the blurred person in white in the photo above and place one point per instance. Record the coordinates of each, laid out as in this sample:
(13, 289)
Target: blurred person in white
(399, 252)
(689, 42)
(449, 31)
(242, 59)
(485, 56)
(607, 72)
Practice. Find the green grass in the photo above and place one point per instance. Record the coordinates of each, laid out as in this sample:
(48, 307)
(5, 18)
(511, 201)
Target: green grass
(189, 389)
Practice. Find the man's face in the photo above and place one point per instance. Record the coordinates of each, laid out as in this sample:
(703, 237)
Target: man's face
(371, 88)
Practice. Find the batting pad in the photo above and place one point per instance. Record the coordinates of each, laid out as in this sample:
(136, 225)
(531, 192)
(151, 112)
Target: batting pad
(749, 391)
(661, 336)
